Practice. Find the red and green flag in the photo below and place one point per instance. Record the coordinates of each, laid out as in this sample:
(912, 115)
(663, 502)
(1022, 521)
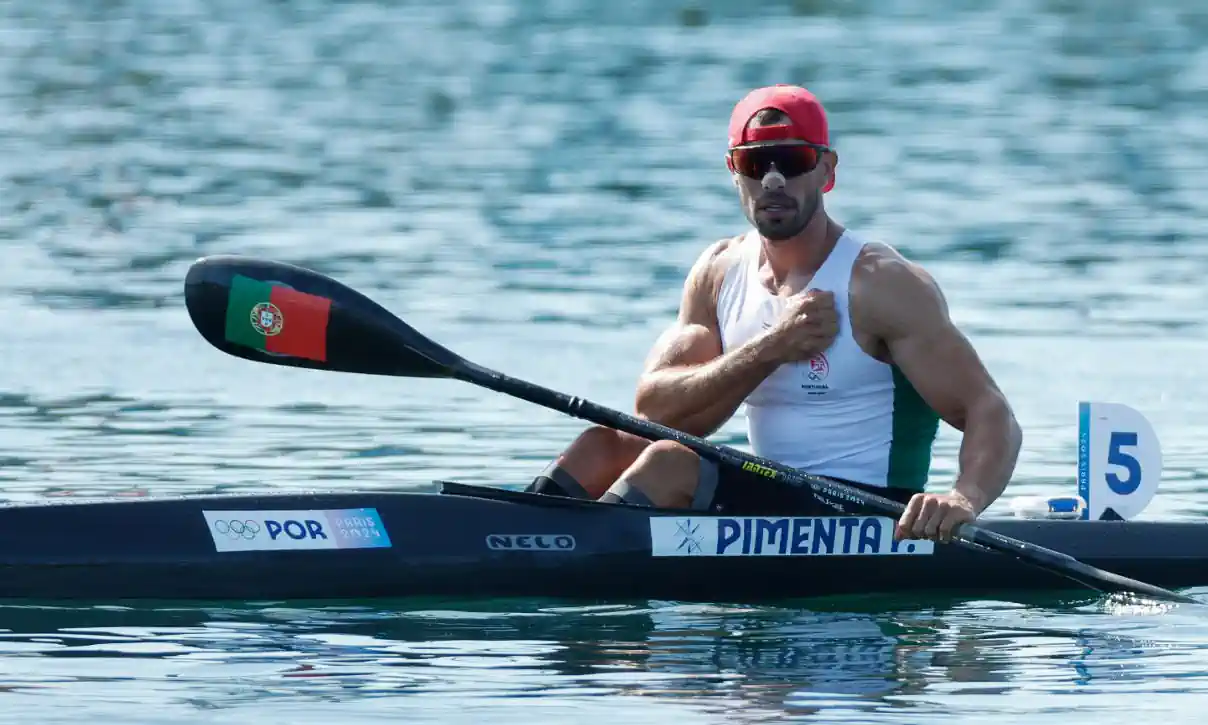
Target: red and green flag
(277, 319)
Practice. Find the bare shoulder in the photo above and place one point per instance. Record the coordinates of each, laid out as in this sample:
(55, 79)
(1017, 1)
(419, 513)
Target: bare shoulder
(694, 337)
(882, 264)
(893, 295)
(705, 278)
(717, 258)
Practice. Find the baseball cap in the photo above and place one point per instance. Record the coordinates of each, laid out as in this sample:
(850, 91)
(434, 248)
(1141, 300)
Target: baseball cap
(805, 112)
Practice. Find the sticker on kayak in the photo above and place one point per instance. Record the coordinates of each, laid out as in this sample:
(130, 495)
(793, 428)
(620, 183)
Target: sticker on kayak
(295, 530)
(782, 536)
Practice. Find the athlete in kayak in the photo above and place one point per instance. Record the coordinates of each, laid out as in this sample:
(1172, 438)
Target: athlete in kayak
(842, 350)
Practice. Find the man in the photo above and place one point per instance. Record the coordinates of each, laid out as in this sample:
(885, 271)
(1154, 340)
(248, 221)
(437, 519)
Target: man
(842, 350)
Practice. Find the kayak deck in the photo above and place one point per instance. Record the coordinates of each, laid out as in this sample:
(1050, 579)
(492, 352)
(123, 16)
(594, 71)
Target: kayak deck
(475, 541)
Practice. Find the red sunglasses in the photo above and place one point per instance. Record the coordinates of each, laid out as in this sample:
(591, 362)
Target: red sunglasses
(791, 160)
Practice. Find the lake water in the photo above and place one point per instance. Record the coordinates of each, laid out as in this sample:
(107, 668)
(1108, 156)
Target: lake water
(527, 182)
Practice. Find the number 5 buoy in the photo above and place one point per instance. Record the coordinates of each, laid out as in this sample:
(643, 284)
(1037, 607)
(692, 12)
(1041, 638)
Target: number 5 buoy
(1119, 461)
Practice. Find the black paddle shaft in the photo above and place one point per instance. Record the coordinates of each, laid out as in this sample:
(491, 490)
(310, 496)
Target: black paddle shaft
(361, 336)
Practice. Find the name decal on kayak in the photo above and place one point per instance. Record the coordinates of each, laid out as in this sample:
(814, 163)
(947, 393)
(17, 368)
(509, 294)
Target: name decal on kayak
(531, 542)
(780, 536)
(297, 530)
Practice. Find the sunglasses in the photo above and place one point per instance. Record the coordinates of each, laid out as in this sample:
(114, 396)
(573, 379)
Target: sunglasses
(790, 159)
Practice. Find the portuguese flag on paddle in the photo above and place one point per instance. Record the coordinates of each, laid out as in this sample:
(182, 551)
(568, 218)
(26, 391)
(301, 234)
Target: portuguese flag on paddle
(277, 319)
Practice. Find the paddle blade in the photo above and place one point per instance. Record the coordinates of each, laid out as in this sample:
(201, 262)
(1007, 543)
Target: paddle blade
(281, 314)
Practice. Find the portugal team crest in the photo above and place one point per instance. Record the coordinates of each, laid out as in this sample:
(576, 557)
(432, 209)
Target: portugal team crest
(267, 319)
(819, 368)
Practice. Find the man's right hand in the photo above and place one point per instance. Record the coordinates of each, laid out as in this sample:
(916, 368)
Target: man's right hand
(807, 326)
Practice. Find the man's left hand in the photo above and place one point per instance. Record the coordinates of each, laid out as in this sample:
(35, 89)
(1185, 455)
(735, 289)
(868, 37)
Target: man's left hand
(934, 516)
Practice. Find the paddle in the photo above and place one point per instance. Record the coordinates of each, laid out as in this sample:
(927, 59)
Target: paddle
(281, 314)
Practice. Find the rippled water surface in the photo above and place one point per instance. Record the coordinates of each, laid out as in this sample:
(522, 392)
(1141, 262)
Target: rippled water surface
(527, 182)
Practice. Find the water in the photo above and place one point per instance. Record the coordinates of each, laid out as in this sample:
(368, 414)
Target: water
(528, 182)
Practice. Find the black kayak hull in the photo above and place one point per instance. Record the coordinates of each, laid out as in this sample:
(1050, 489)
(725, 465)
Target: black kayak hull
(478, 542)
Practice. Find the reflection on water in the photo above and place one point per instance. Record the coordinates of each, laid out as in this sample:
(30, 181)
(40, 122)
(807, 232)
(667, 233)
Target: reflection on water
(747, 662)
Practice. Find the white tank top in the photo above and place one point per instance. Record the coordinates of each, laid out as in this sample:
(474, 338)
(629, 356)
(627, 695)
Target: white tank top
(843, 413)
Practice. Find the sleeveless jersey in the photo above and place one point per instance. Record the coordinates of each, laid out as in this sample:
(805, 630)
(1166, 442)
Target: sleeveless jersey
(843, 413)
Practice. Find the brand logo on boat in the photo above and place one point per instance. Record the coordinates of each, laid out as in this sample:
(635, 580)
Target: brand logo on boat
(267, 319)
(292, 530)
(531, 542)
(786, 536)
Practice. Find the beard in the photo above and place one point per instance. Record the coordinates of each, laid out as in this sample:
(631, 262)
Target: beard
(778, 226)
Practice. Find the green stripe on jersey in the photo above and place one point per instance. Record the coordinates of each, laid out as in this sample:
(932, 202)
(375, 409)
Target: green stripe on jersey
(915, 426)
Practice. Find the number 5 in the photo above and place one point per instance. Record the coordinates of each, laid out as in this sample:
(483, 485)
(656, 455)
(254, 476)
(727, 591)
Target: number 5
(1117, 457)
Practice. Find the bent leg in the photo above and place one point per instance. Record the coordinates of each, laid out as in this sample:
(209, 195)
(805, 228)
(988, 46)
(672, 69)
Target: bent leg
(590, 464)
(666, 475)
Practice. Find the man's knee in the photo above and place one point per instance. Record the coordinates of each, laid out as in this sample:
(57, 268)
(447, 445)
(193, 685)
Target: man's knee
(666, 474)
(670, 454)
(613, 444)
(590, 463)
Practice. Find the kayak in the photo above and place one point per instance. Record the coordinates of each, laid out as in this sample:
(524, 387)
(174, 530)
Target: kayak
(478, 541)
(245, 306)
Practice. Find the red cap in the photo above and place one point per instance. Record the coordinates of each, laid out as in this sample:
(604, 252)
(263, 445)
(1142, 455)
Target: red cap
(804, 110)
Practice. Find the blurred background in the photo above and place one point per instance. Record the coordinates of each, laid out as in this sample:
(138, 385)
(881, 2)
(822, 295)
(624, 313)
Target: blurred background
(527, 182)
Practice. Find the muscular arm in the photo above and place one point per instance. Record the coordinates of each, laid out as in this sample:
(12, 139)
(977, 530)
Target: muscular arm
(907, 310)
(688, 383)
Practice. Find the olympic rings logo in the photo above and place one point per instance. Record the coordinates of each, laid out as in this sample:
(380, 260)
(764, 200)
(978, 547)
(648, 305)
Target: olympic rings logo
(236, 529)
